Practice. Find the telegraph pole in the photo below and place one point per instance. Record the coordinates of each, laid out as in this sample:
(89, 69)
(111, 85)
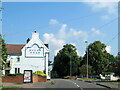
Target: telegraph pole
(87, 56)
(1, 63)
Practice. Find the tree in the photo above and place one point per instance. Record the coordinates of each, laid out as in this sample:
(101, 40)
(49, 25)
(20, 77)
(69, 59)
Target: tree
(49, 63)
(112, 63)
(115, 66)
(62, 61)
(98, 57)
(83, 70)
(3, 55)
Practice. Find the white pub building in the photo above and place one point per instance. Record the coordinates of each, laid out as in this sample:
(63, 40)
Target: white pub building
(32, 56)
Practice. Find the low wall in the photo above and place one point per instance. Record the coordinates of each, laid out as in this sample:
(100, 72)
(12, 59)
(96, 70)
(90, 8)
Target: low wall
(13, 79)
(37, 78)
(19, 79)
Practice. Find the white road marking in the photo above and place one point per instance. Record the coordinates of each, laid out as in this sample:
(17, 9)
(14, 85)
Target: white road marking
(78, 86)
(74, 83)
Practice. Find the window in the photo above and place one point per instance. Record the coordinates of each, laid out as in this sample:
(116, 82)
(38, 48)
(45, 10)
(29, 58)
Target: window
(18, 59)
(15, 70)
(18, 70)
(8, 63)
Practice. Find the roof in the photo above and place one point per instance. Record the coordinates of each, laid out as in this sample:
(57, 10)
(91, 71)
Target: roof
(14, 49)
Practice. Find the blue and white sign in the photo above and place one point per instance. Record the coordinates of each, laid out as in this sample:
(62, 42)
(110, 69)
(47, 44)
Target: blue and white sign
(27, 75)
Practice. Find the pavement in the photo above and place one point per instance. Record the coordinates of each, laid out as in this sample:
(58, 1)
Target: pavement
(29, 85)
(104, 84)
(107, 85)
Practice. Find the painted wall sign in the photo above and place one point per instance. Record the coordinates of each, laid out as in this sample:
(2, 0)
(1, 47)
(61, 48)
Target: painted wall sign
(27, 75)
(34, 51)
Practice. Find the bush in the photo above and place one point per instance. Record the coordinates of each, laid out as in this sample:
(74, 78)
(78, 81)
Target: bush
(66, 77)
(107, 73)
(15, 74)
(39, 73)
(18, 74)
(54, 74)
(11, 75)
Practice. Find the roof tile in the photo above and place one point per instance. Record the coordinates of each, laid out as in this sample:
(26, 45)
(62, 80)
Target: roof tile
(14, 48)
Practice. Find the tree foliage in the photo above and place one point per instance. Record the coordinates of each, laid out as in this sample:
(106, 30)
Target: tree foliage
(62, 61)
(3, 51)
(98, 57)
(83, 70)
(115, 66)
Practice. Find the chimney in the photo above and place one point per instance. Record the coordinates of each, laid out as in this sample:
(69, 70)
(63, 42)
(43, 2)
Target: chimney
(28, 40)
(35, 35)
(46, 45)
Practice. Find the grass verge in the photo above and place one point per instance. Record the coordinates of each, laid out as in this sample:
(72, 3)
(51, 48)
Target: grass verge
(6, 88)
(115, 83)
(88, 79)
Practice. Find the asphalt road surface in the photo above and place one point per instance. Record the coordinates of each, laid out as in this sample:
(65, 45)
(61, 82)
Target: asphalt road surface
(77, 85)
(60, 84)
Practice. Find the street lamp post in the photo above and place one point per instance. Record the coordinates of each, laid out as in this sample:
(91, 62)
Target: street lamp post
(70, 64)
(87, 56)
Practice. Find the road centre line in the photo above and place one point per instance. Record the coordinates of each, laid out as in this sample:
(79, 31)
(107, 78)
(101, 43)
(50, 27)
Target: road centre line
(77, 85)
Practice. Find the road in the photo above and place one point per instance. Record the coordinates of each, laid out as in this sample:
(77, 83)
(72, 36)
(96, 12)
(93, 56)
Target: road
(77, 85)
(55, 84)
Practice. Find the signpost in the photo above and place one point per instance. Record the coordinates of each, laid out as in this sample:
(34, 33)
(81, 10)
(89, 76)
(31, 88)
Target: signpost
(27, 76)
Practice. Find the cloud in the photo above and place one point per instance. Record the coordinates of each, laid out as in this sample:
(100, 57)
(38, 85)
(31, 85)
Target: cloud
(73, 44)
(68, 35)
(109, 7)
(62, 32)
(55, 43)
(63, 36)
(53, 21)
(77, 34)
(105, 17)
(95, 31)
(108, 49)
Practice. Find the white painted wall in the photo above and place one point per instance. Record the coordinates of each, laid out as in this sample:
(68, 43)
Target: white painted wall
(34, 56)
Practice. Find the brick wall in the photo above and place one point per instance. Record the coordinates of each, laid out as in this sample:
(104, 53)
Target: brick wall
(19, 79)
(13, 79)
(37, 78)
(42, 79)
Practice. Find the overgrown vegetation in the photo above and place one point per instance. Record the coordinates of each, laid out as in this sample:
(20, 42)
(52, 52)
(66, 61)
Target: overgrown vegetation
(3, 54)
(15, 74)
(39, 73)
(107, 73)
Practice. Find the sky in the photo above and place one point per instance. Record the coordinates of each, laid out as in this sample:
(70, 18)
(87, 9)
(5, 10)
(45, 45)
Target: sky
(60, 23)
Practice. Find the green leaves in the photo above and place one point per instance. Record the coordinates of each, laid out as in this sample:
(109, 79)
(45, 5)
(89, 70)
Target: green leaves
(98, 60)
(3, 54)
(98, 57)
(62, 61)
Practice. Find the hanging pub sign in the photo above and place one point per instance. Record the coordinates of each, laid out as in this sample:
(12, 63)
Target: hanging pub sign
(27, 76)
